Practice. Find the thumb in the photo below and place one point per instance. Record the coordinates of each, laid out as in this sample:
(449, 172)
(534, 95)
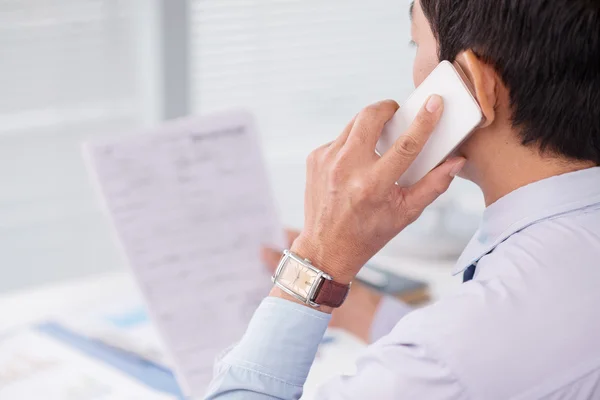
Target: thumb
(434, 184)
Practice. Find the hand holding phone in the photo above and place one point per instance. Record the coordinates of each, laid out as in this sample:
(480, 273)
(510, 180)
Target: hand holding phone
(462, 115)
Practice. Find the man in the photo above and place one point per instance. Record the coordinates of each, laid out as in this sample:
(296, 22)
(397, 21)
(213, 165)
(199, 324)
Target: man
(526, 322)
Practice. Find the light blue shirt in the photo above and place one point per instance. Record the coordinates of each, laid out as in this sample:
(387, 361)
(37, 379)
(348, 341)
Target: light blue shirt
(526, 327)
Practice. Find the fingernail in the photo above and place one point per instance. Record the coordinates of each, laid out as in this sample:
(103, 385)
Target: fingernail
(457, 167)
(434, 103)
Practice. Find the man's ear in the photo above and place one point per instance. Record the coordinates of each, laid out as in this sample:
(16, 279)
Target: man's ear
(483, 81)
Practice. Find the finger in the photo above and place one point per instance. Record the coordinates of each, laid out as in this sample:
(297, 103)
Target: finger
(316, 157)
(341, 140)
(408, 146)
(369, 124)
(291, 236)
(270, 257)
(320, 152)
(433, 185)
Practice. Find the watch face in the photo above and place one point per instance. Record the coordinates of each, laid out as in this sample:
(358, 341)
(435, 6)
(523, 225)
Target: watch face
(297, 277)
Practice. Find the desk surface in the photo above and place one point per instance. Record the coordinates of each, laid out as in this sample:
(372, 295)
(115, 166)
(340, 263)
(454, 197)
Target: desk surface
(58, 300)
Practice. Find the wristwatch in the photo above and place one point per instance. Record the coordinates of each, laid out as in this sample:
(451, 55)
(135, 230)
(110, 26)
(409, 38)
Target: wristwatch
(302, 280)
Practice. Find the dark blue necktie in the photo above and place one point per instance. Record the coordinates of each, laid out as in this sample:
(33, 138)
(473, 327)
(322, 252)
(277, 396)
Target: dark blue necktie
(469, 273)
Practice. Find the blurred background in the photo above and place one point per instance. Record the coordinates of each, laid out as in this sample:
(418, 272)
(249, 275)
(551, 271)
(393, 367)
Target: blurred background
(74, 70)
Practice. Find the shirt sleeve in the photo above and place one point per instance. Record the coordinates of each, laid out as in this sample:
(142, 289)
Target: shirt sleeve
(396, 371)
(274, 356)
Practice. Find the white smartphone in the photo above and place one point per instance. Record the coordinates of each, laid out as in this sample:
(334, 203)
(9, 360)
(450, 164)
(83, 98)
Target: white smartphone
(462, 115)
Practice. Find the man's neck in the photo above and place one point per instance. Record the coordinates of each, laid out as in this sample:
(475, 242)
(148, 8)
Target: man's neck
(501, 175)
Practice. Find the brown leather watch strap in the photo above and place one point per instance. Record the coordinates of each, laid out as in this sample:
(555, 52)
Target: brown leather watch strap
(332, 294)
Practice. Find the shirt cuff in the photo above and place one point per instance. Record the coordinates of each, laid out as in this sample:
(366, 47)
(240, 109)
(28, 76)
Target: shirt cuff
(281, 341)
(389, 313)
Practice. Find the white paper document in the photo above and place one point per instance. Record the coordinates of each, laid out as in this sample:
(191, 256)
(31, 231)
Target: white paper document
(191, 205)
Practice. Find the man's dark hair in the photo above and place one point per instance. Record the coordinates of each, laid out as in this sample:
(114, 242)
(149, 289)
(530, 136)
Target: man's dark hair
(547, 52)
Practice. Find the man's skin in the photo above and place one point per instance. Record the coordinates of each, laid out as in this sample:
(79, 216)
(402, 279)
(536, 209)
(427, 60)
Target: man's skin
(496, 161)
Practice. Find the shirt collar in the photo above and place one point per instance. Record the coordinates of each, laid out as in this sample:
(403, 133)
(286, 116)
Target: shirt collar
(530, 204)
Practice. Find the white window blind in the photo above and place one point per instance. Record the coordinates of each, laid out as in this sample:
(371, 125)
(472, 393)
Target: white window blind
(68, 70)
(305, 67)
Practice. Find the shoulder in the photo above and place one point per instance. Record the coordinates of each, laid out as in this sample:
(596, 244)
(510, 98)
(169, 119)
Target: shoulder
(517, 316)
(548, 251)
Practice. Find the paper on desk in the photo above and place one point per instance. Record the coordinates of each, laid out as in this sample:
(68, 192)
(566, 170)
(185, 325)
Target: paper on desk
(191, 205)
(34, 366)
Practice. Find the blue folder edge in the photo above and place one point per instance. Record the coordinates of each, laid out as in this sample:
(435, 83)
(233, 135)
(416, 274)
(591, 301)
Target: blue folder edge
(154, 376)
(150, 374)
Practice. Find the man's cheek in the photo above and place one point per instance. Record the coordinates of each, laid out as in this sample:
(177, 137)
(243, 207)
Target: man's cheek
(422, 67)
(425, 62)
(418, 76)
